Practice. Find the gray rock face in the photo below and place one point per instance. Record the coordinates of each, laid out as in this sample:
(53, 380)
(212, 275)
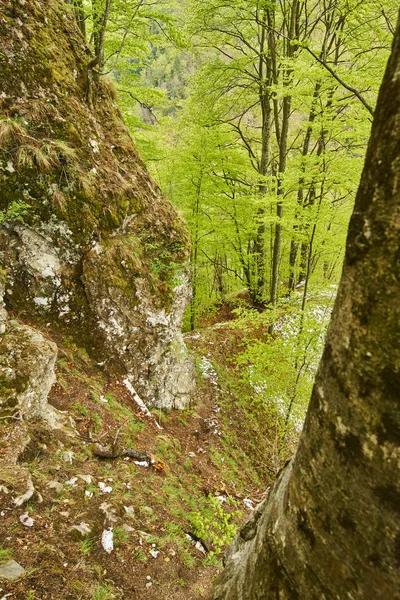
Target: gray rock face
(11, 570)
(83, 288)
(41, 261)
(27, 371)
(27, 362)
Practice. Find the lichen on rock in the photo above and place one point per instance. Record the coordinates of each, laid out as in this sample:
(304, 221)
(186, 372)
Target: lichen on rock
(100, 253)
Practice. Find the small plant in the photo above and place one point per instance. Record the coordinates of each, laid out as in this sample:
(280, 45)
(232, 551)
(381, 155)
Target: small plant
(16, 211)
(120, 536)
(78, 407)
(87, 546)
(140, 555)
(11, 131)
(214, 525)
(102, 592)
(97, 421)
(5, 554)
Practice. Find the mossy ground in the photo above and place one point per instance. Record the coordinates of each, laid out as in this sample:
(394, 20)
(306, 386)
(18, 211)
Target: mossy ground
(218, 448)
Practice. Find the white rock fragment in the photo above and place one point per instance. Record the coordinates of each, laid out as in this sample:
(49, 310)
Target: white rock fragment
(138, 400)
(83, 528)
(67, 456)
(107, 540)
(248, 503)
(200, 547)
(86, 478)
(154, 553)
(95, 145)
(72, 481)
(105, 489)
(26, 520)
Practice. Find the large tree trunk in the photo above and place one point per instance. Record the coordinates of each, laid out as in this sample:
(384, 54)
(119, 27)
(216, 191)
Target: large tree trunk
(330, 527)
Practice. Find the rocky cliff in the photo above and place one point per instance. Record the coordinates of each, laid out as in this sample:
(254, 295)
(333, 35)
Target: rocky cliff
(91, 247)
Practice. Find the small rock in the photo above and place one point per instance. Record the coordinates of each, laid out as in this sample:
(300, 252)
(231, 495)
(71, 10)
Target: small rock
(248, 503)
(71, 481)
(56, 485)
(4, 489)
(107, 540)
(105, 489)
(67, 456)
(154, 553)
(128, 528)
(11, 570)
(109, 511)
(129, 510)
(86, 478)
(80, 531)
(26, 520)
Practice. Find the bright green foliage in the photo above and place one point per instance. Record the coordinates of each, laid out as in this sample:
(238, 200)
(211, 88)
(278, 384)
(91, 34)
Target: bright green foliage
(16, 211)
(281, 369)
(214, 524)
(209, 159)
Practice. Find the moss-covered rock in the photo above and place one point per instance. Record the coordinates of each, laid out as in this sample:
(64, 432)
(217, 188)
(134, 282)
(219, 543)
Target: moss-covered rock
(96, 250)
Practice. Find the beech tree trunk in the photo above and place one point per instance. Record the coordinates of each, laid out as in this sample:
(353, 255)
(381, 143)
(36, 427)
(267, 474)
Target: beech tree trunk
(330, 528)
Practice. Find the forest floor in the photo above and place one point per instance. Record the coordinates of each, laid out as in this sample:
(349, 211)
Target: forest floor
(170, 524)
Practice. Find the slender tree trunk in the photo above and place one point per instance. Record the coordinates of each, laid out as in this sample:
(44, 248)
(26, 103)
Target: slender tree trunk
(330, 527)
(264, 75)
(195, 255)
(282, 137)
(80, 16)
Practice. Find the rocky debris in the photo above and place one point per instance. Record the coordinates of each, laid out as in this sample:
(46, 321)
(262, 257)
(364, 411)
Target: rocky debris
(80, 531)
(27, 362)
(105, 489)
(55, 485)
(26, 520)
(110, 513)
(197, 542)
(11, 570)
(107, 540)
(3, 312)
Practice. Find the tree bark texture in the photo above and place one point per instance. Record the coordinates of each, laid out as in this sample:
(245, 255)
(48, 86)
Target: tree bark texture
(330, 528)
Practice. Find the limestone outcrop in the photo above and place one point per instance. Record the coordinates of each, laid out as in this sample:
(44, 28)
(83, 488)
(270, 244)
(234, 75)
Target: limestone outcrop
(91, 246)
(27, 362)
